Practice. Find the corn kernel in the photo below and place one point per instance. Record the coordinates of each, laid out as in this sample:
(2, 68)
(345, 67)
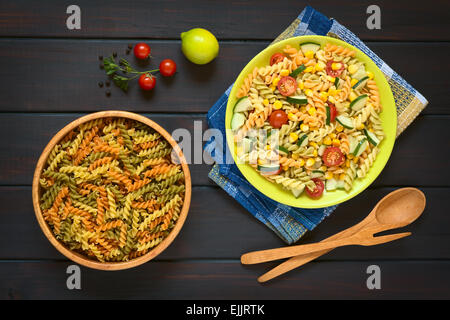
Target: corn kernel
(320, 66)
(277, 105)
(323, 95)
(355, 159)
(323, 168)
(332, 135)
(272, 88)
(336, 66)
(261, 161)
(329, 175)
(331, 79)
(315, 153)
(327, 141)
(300, 85)
(292, 116)
(313, 128)
(293, 137)
(285, 168)
(284, 72)
(309, 69)
(266, 102)
(352, 69)
(342, 176)
(268, 147)
(332, 92)
(336, 142)
(308, 92)
(353, 82)
(304, 127)
(371, 130)
(339, 128)
(312, 111)
(310, 162)
(370, 75)
(275, 81)
(352, 96)
(360, 127)
(350, 156)
(309, 54)
(295, 156)
(301, 162)
(303, 109)
(313, 144)
(347, 163)
(331, 99)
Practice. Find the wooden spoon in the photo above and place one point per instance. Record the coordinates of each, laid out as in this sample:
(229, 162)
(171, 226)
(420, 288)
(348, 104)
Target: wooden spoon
(397, 209)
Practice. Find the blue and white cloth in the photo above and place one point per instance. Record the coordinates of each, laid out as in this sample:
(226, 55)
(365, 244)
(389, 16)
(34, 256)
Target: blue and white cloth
(291, 223)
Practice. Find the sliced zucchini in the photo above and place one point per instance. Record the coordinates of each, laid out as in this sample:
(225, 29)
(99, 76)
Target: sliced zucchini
(298, 192)
(361, 83)
(317, 174)
(309, 46)
(353, 143)
(346, 122)
(269, 169)
(247, 145)
(360, 73)
(282, 150)
(359, 102)
(331, 184)
(328, 113)
(321, 149)
(340, 185)
(243, 104)
(337, 82)
(303, 140)
(237, 121)
(371, 137)
(298, 99)
(362, 145)
(297, 71)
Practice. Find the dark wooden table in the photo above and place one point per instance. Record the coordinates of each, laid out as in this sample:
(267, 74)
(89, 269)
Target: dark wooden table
(49, 77)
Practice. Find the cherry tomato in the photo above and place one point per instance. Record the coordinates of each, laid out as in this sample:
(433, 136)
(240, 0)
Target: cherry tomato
(287, 86)
(332, 156)
(334, 73)
(276, 58)
(318, 190)
(141, 50)
(167, 67)
(333, 111)
(147, 81)
(278, 118)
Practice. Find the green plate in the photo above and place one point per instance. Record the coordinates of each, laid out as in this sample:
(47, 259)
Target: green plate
(388, 117)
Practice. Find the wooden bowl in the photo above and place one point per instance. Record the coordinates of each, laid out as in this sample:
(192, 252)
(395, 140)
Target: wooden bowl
(84, 260)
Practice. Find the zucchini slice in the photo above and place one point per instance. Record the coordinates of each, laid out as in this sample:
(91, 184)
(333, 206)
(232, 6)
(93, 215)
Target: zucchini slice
(360, 73)
(317, 174)
(309, 46)
(371, 137)
(282, 150)
(321, 149)
(243, 104)
(346, 122)
(297, 192)
(237, 121)
(268, 170)
(303, 140)
(359, 102)
(337, 82)
(299, 99)
(247, 145)
(362, 145)
(361, 83)
(297, 71)
(331, 184)
(328, 112)
(340, 185)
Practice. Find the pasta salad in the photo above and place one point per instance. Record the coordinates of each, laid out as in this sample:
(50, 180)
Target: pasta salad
(309, 120)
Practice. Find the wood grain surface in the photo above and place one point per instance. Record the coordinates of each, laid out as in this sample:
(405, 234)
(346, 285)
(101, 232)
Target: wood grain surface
(50, 77)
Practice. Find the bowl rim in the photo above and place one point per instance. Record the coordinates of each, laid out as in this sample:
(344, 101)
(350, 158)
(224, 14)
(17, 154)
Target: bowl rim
(78, 257)
(243, 168)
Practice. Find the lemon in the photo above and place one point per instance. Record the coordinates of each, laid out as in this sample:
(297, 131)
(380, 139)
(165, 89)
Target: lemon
(199, 45)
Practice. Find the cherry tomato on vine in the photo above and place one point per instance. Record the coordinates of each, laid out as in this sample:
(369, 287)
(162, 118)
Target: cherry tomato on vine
(147, 81)
(141, 50)
(167, 67)
(278, 118)
(276, 58)
(317, 191)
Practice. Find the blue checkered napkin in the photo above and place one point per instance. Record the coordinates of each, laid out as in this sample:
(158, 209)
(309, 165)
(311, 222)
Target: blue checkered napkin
(290, 223)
